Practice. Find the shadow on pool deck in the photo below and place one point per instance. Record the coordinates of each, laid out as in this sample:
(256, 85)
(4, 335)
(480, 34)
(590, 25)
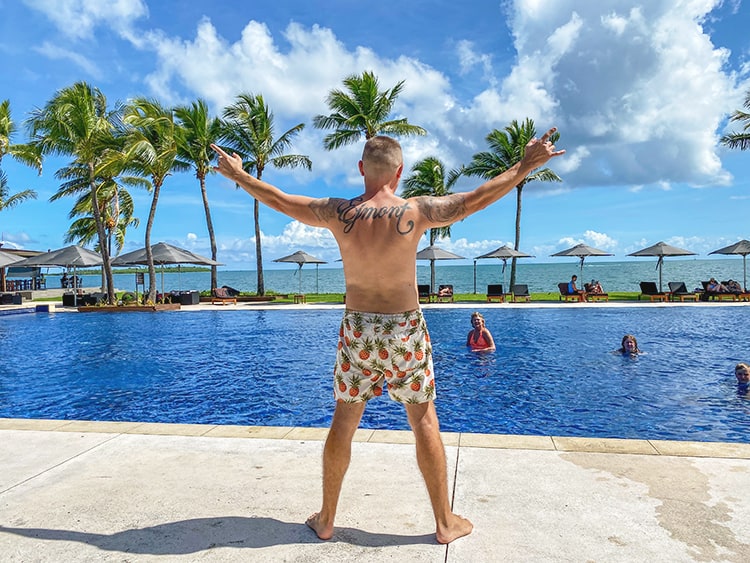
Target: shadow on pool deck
(113, 491)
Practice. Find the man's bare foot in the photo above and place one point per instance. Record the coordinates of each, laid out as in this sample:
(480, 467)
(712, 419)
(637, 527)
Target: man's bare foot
(323, 531)
(457, 527)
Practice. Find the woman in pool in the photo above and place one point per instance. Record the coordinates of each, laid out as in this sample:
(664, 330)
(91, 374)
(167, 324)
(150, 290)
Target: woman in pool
(742, 373)
(479, 338)
(629, 346)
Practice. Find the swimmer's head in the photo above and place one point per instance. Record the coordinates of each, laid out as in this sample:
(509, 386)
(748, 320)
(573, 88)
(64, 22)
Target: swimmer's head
(742, 373)
(629, 344)
(477, 319)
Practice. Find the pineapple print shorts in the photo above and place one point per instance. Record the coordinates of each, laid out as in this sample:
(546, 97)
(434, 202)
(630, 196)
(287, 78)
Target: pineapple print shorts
(376, 349)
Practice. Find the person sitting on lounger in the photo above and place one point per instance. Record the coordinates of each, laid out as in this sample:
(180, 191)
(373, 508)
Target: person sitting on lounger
(572, 289)
(733, 286)
(595, 287)
(716, 287)
(479, 338)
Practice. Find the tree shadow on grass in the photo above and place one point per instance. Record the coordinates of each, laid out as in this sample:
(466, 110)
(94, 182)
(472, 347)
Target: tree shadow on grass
(199, 534)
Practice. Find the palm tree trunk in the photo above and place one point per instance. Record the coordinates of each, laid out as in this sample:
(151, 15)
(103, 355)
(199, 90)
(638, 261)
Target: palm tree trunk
(518, 234)
(149, 256)
(258, 254)
(106, 266)
(211, 234)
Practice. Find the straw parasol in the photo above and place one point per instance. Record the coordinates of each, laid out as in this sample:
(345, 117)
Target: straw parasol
(741, 248)
(502, 253)
(163, 254)
(433, 253)
(661, 249)
(582, 251)
(301, 258)
(67, 257)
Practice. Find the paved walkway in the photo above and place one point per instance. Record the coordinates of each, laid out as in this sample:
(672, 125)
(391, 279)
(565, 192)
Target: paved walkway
(120, 491)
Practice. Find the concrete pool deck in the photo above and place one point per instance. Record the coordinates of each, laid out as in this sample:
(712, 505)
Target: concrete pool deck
(122, 491)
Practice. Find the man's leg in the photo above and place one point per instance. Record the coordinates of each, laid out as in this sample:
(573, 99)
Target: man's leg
(336, 455)
(431, 460)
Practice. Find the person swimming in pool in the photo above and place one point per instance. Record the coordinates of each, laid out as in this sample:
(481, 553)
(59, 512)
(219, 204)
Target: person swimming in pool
(479, 338)
(742, 373)
(629, 346)
(378, 233)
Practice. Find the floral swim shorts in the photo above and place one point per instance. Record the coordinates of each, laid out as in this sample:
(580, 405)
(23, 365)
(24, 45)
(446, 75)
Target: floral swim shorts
(375, 349)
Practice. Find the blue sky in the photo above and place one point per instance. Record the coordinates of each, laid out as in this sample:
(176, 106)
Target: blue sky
(640, 91)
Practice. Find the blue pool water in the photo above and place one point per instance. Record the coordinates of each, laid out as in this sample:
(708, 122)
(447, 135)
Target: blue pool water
(554, 372)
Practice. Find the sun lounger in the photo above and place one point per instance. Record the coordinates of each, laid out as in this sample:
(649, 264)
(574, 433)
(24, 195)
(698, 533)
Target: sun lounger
(678, 290)
(495, 293)
(649, 289)
(444, 294)
(565, 295)
(423, 292)
(222, 297)
(520, 293)
(721, 295)
(593, 295)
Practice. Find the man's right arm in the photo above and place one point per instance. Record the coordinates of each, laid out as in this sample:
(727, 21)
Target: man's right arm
(317, 212)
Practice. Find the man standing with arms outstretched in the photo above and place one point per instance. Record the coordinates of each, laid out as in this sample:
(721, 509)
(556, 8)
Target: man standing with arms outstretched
(383, 337)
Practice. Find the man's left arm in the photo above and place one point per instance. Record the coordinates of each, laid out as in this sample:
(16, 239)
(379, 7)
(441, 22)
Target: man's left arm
(445, 210)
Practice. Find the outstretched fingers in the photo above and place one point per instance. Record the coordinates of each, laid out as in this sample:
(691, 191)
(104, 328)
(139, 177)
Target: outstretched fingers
(548, 134)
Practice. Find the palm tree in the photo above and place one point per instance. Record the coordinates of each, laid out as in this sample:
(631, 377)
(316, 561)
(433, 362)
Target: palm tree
(507, 149)
(115, 203)
(151, 150)
(249, 131)
(362, 111)
(196, 133)
(428, 178)
(740, 140)
(8, 200)
(23, 153)
(83, 229)
(77, 123)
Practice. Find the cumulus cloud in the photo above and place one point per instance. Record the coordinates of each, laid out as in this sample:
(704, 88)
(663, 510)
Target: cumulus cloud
(639, 92)
(78, 19)
(622, 78)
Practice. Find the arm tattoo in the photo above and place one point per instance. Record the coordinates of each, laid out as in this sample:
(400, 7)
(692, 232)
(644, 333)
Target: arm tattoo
(324, 209)
(447, 209)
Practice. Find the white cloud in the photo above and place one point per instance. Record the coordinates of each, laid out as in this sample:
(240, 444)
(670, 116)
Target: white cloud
(623, 83)
(78, 18)
(638, 92)
(57, 53)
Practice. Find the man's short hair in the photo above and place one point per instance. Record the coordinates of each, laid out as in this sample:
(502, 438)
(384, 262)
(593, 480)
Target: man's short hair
(382, 154)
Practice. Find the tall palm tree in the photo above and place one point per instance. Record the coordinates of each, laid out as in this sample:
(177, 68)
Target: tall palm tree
(740, 140)
(83, 229)
(428, 178)
(249, 131)
(196, 133)
(76, 122)
(24, 153)
(362, 111)
(151, 150)
(115, 203)
(507, 148)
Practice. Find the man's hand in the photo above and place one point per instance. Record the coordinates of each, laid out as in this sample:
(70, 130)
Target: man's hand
(228, 165)
(539, 151)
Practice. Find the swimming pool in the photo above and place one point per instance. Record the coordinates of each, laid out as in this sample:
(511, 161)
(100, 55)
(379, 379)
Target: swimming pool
(554, 372)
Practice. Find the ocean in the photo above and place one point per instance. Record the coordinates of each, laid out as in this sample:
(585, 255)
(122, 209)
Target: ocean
(614, 276)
